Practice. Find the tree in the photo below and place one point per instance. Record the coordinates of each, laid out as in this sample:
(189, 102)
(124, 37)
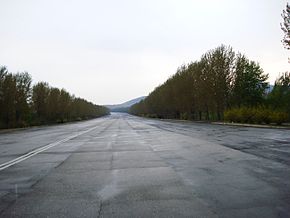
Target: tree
(3, 74)
(23, 94)
(53, 104)
(285, 26)
(15, 92)
(219, 74)
(9, 101)
(249, 83)
(40, 94)
(65, 103)
(279, 98)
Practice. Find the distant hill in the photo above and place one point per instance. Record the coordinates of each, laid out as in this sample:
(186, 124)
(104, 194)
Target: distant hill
(269, 89)
(124, 107)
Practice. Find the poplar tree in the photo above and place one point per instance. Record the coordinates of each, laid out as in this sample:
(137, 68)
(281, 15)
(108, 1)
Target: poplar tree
(285, 26)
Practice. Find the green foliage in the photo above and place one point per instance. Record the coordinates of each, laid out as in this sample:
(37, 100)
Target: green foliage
(279, 117)
(23, 96)
(262, 115)
(185, 116)
(248, 84)
(279, 98)
(259, 115)
(22, 105)
(8, 100)
(277, 110)
(40, 93)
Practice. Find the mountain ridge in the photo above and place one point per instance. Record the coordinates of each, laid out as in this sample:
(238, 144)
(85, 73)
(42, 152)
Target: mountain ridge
(123, 107)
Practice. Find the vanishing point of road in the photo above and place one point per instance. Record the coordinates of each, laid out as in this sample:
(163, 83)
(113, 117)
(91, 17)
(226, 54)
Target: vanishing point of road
(126, 166)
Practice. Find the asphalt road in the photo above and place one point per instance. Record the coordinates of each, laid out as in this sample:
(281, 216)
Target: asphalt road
(126, 166)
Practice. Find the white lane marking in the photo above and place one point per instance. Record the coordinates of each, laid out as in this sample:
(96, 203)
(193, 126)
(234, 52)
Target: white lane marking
(41, 149)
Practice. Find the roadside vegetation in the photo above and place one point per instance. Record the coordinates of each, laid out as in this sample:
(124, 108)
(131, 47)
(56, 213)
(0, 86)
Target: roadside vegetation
(222, 85)
(22, 104)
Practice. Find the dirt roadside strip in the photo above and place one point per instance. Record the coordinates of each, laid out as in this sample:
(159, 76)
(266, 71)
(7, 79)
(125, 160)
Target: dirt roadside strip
(285, 126)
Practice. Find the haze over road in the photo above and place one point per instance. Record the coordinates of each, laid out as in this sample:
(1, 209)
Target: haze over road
(126, 166)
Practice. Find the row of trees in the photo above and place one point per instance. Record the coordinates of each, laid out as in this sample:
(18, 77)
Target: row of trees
(22, 104)
(203, 90)
(275, 107)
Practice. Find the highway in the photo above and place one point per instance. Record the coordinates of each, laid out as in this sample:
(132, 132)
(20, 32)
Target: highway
(126, 166)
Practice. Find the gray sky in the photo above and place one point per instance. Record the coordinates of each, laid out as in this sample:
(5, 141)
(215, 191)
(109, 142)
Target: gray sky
(112, 51)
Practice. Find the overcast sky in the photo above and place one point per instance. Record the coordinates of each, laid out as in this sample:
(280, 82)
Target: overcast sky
(111, 51)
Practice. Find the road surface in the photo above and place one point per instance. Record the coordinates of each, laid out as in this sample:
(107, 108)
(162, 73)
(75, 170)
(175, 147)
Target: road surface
(126, 166)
